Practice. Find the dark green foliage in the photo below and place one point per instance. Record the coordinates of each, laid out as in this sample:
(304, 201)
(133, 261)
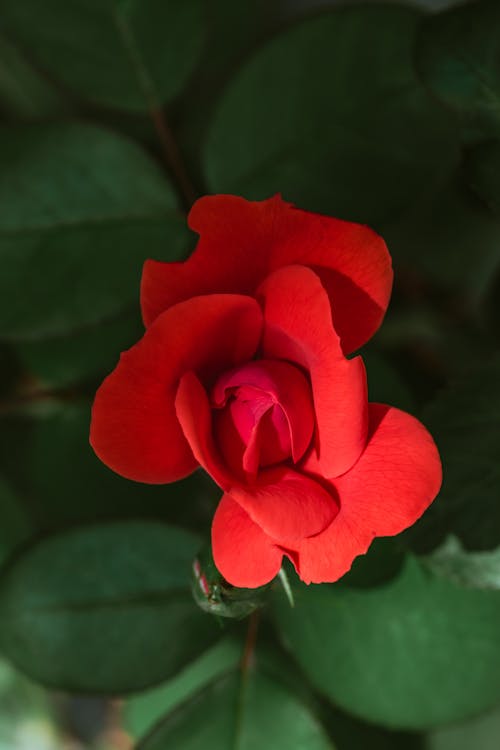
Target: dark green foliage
(415, 653)
(331, 114)
(113, 115)
(458, 58)
(247, 712)
(82, 209)
(103, 608)
(465, 420)
(130, 54)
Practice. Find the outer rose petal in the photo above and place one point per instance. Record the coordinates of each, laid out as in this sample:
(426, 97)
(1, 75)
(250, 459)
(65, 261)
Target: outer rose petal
(242, 552)
(392, 484)
(298, 327)
(287, 506)
(242, 241)
(134, 429)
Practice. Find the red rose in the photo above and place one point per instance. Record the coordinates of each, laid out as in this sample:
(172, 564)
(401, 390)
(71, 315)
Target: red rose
(242, 370)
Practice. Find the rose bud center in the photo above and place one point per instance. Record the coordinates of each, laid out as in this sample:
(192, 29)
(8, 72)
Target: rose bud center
(263, 415)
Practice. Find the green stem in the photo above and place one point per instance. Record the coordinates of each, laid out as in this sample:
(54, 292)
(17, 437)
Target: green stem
(245, 665)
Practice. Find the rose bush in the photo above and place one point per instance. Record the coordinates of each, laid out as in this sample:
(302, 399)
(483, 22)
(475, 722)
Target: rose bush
(243, 370)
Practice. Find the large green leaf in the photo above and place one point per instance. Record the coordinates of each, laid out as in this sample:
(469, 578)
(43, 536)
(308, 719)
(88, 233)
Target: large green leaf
(448, 237)
(81, 209)
(132, 54)
(239, 713)
(89, 352)
(24, 93)
(331, 114)
(103, 608)
(464, 420)
(458, 57)
(143, 711)
(46, 457)
(233, 31)
(417, 652)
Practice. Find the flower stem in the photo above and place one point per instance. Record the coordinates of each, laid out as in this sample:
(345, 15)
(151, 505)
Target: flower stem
(251, 639)
(166, 138)
(173, 156)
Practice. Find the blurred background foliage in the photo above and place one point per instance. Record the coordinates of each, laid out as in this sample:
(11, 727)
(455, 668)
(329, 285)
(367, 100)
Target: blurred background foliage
(114, 116)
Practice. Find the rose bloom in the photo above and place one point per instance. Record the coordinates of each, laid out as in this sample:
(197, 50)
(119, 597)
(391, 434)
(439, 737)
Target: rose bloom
(243, 370)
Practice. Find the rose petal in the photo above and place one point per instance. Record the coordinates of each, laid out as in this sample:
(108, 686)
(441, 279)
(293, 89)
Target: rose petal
(242, 552)
(392, 484)
(195, 417)
(288, 388)
(241, 242)
(134, 429)
(298, 327)
(287, 506)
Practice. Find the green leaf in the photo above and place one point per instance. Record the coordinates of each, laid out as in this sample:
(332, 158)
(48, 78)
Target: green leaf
(479, 570)
(418, 652)
(81, 211)
(131, 54)
(103, 608)
(449, 237)
(142, 712)
(46, 457)
(86, 353)
(24, 93)
(233, 31)
(245, 713)
(349, 733)
(379, 565)
(331, 114)
(483, 165)
(464, 421)
(458, 58)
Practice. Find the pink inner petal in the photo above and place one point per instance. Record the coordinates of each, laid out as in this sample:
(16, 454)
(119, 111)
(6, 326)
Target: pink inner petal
(270, 406)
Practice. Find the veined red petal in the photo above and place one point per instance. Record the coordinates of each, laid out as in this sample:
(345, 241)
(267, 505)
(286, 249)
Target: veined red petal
(388, 489)
(242, 552)
(242, 241)
(287, 506)
(298, 328)
(134, 429)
